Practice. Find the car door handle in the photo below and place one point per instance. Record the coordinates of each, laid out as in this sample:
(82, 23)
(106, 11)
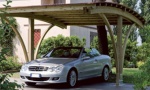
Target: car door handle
(95, 61)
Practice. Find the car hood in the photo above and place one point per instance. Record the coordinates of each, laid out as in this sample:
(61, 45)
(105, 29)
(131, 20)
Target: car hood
(52, 61)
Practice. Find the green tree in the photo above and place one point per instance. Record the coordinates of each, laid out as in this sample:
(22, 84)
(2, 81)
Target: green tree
(145, 12)
(130, 3)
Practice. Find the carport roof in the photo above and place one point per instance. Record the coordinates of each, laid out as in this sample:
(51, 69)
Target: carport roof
(78, 14)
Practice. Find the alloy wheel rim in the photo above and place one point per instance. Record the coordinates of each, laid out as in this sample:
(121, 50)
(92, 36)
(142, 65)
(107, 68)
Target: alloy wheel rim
(73, 78)
(106, 74)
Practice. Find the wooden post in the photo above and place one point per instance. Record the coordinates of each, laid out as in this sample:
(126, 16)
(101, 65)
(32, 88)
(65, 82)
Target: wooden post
(31, 39)
(119, 69)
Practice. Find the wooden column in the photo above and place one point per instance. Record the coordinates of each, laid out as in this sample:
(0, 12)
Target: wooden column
(119, 63)
(102, 38)
(31, 39)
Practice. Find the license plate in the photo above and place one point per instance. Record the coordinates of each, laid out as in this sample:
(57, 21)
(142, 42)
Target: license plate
(35, 75)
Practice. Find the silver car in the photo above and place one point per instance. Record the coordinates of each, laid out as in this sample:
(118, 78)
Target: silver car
(66, 64)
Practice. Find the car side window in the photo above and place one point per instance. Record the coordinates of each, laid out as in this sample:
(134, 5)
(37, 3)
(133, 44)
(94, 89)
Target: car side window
(92, 52)
(95, 52)
(88, 52)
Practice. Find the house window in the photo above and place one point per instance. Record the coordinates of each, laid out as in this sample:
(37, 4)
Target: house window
(59, 1)
(50, 2)
(47, 2)
(98, 0)
(37, 36)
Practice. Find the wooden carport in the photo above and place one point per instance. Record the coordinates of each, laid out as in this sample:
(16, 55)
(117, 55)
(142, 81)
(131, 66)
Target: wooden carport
(102, 13)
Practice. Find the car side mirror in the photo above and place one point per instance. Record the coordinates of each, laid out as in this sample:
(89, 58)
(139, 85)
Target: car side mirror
(85, 58)
(42, 56)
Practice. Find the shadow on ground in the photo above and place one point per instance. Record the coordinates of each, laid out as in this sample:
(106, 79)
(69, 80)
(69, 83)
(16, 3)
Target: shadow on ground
(88, 82)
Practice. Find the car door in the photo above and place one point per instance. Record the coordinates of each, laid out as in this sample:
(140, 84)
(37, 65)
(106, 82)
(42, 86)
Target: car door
(98, 60)
(87, 66)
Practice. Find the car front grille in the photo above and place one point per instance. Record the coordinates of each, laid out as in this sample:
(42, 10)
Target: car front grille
(38, 68)
(38, 79)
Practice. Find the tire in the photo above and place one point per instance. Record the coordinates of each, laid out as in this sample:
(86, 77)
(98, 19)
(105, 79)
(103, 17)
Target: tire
(72, 78)
(105, 74)
(30, 83)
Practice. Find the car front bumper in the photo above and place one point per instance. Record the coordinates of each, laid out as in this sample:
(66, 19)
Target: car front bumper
(43, 77)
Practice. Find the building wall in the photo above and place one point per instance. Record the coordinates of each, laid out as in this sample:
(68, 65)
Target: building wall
(80, 1)
(21, 2)
(83, 32)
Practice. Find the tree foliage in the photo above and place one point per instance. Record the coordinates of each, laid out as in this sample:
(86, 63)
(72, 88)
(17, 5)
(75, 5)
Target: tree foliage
(145, 12)
(130, 3)
(133, 4)
(130, 53)
(142, 78)
(5, 31)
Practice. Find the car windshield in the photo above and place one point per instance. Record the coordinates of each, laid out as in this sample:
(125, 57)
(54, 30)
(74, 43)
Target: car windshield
(65, 52)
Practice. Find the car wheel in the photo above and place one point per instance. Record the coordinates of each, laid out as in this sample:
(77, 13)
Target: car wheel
(30, 83)
(72, 78)
(105, 74)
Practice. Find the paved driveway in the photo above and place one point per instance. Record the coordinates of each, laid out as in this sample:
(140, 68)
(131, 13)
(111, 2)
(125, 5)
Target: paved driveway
(91, 84)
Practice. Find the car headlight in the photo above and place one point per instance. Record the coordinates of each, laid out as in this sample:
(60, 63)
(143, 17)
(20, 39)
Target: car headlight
(24, 68)
(56, 69)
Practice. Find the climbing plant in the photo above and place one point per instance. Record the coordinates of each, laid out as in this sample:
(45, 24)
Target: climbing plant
(7, 35)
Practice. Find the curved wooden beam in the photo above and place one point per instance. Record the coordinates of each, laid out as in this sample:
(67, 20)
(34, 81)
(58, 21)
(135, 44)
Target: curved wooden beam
(110, 32)
(114, 10)
(114, 45)
(37, 48)
(126, 38)
(19, 37)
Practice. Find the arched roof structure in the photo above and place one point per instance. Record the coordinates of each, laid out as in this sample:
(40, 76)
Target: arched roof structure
(62, 15)
(78, 14)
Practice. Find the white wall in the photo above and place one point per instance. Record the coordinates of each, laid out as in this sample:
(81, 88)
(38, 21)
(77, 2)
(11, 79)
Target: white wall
(21, 3)
(80, 1)
(82, 33)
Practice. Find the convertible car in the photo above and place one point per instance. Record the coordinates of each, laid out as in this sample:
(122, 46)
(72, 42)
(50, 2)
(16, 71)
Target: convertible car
(66, 65)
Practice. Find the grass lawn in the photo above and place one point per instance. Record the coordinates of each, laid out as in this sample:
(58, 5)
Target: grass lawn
(128, 74)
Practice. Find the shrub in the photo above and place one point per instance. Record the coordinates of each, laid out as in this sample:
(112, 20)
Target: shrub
(5, 83)
(59, 41)
(10, 63)
(143, 79)
(130, 53)
(140, 81)
(140, 63)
